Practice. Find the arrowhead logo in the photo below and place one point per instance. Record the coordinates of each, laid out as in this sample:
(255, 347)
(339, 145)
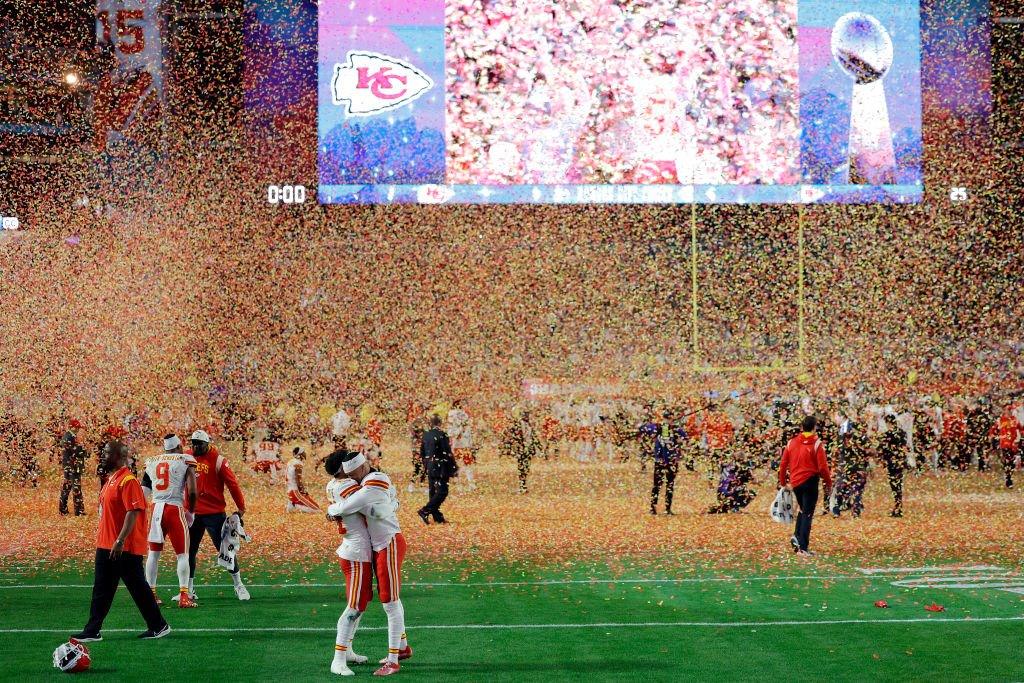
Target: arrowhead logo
(371, 83)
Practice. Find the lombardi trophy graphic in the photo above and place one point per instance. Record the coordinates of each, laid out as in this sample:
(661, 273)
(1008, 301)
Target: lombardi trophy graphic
(863, 49)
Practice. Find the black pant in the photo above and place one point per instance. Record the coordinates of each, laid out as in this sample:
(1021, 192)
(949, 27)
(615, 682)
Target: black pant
(854, 483)
(896, 484)
(72, 486)
(211, 524)
(127, 568)
(664, 472)
(438, 493)
(806, 499)
(523, 465)
(1008, 458)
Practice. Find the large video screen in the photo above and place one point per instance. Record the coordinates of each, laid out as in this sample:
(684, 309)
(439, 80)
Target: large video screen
(618, 101)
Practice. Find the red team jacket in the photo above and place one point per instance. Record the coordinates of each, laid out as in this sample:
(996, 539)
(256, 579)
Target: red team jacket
(1008, 432)
(804, 457)
(213, 473)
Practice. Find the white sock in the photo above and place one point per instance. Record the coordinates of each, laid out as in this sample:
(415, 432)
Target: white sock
(351, 649)
(183, 581)
(405, 640)
(396, 627)
(347, 624)
(152, 565)
(191, 585)
(237, 578)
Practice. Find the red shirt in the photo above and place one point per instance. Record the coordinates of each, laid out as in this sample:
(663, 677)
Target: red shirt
(212, 474)
(804, 457)
(954, 426)
(120, 494)
(718, 430)
(1008, 432)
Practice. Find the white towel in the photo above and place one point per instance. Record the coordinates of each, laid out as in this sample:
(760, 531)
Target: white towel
(231, 536)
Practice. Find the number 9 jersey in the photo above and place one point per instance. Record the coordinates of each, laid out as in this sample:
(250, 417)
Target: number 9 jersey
(165, 475)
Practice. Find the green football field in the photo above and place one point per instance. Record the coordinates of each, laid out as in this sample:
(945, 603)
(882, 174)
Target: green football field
(571, 623)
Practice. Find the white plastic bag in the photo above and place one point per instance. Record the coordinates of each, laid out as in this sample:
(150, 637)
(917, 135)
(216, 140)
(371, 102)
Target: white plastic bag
(783, 507)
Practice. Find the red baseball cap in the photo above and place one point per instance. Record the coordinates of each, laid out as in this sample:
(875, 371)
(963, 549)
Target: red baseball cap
(75, 424)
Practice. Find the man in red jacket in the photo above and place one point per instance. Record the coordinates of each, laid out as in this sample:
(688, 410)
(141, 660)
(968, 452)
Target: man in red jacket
(212, 474)
(805, 466)
(1008, 433)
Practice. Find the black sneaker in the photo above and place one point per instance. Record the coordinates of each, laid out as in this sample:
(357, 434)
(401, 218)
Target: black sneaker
(153, 635)
(669, 512)
(84, 637)
(795, 543)
(425, 516)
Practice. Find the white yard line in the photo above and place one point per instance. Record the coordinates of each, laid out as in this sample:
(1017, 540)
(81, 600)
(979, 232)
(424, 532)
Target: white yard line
(939, 582)
(479, 584)
(873, 571)
(475, 627)
(966, 582)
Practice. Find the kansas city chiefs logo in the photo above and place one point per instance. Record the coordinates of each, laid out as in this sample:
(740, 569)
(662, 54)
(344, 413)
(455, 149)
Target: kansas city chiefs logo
(371, 83)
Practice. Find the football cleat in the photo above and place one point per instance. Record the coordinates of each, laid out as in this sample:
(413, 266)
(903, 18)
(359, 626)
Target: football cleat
(341, 669)
(387, 669)
(153, 635)
(354, 658)
(192, 595)
(185, 602)
(242, 592)
(403, 654)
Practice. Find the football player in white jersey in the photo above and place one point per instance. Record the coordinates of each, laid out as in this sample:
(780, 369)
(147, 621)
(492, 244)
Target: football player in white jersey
(298, 499)
(461, 434)
(169, 478)
(377, 501)
(355, 555)
(268, 456)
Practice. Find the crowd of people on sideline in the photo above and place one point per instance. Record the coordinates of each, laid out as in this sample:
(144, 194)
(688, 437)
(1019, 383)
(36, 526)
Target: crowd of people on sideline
(733, 439)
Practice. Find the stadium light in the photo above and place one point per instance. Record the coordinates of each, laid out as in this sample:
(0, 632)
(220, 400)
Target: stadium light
(72, 78)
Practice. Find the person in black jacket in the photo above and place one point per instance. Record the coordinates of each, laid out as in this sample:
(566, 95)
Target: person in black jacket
(893, 451)
(520, 442)
(852, 466)
(72, 463)
(436, 451)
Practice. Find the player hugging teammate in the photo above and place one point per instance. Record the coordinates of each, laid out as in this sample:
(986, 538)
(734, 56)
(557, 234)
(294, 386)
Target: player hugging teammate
(364, 503)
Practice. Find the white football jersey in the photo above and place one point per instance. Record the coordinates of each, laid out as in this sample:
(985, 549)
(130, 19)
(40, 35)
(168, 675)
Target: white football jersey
(355, 547)
(377, 501)
(458, 429)
(267, 451)
(292, 474)
(167, 473)
(383, 524)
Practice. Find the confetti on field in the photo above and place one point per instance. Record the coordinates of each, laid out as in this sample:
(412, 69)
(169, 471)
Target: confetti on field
(562, 346)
